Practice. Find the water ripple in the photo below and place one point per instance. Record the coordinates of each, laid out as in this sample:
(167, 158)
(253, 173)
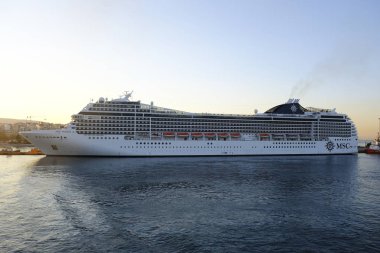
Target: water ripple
(226, 204)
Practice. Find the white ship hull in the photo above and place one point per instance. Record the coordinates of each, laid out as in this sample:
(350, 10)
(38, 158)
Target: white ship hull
(67, 142)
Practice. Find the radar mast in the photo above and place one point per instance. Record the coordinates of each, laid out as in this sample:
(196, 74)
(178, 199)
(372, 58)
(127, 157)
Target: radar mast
(127, 95)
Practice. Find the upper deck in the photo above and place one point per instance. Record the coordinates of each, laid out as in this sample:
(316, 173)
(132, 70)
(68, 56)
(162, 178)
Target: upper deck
(125, 117)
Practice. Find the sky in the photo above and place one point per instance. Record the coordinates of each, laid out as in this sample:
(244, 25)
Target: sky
(199, 56)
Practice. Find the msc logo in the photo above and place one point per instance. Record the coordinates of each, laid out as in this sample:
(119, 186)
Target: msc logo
(343, 146)
(330, 146)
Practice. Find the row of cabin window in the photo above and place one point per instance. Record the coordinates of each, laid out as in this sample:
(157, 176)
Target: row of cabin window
(154, 120)
(174, 147)
(109, 138)
(140, 132)
(157, 124)
(50, 137)
(331, 133)
(258, 130)
(200, 124)
(289, 146)
(293, 143)
(235, 122)
(131, 133)
(228, 129)
(268, 126)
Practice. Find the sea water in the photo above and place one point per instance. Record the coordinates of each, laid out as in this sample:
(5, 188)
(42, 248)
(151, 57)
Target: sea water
(200, 204)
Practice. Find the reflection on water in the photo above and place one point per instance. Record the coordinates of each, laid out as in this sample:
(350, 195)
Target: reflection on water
(12, 170)
(230, 204)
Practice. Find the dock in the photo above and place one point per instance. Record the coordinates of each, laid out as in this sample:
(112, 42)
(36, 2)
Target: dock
(34, 151)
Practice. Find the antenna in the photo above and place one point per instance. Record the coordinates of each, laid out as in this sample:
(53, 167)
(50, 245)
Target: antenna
(35, 118)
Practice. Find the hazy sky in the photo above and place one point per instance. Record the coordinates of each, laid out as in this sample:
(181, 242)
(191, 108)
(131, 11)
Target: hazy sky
(200, 56)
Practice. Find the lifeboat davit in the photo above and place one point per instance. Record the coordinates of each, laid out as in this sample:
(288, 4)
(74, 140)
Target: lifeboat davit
(182, 134)
(235, 135)
(169, 134)
(196, 135)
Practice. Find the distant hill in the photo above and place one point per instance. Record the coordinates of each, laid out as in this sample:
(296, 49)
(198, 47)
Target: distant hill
(13, 121)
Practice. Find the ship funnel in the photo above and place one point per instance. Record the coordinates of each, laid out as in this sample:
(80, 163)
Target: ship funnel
(292, 101)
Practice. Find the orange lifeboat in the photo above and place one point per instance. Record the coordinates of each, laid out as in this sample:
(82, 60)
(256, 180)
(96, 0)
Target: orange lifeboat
(169, 134)
(235, 135)
(196, 135)
(264, 135)
(182, 134)
(34, 151)
(223, 135)
(210, 135)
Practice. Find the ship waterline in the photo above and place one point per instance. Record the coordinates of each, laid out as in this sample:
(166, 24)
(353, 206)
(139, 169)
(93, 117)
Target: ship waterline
(122, 127)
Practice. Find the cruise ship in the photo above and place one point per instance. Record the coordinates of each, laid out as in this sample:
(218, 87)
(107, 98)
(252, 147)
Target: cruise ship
(123, 127)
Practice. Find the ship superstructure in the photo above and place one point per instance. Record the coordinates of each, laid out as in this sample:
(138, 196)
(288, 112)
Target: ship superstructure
(122, 127)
